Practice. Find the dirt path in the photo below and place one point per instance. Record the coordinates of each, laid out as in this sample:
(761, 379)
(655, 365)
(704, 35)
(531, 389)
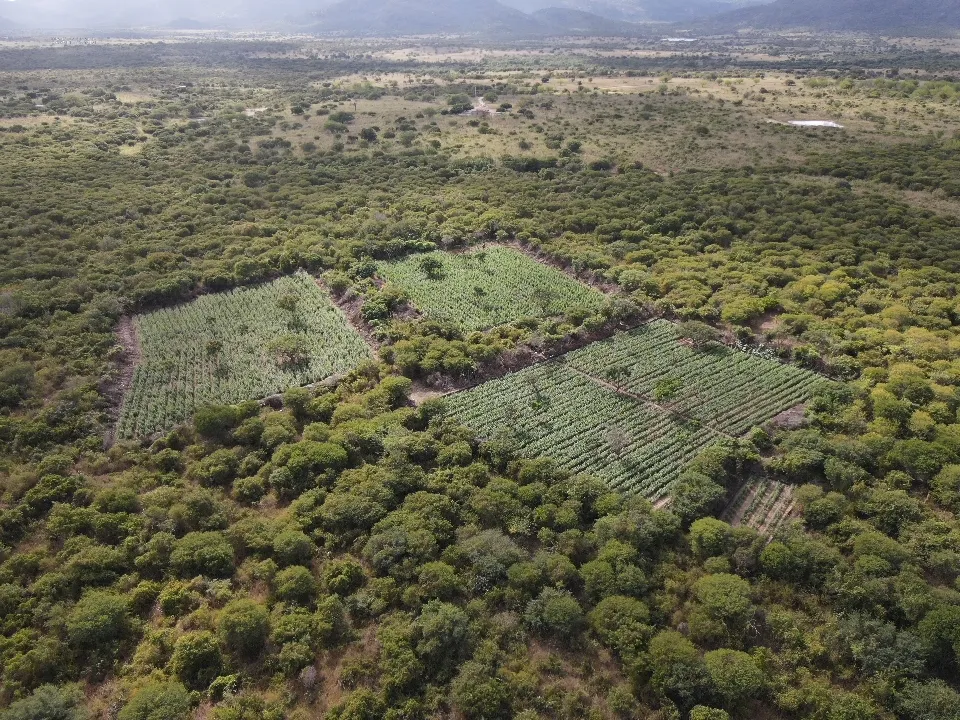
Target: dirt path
(132, 354)
(126, 366)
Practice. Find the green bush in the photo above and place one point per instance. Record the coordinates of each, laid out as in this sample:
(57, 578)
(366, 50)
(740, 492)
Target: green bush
(196, 659)
(243, 627)
(203, 553)
(158, 701)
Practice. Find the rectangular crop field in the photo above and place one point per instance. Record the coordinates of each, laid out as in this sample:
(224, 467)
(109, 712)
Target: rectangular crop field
(552, 410)
(726, 389)
(595, 410)
(236, 346)
(761, 504)
(483, 289)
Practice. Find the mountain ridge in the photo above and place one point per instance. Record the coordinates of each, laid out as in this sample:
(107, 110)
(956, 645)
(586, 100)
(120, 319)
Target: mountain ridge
(887, 17)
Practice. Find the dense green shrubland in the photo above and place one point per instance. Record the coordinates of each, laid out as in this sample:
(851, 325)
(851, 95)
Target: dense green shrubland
(355, 556)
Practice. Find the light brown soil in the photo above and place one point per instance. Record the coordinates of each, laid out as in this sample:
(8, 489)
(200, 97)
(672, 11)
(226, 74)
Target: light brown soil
(351, 305)
(124, 368)
(745, 504)
(420, 393)
(790, 419)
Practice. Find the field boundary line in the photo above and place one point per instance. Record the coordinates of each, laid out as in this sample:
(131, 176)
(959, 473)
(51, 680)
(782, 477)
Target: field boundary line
(647, 401)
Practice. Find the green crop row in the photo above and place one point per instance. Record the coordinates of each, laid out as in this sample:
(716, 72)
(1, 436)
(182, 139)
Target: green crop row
(486, 288)
(593, 410)
(729, 390)
(235, 346)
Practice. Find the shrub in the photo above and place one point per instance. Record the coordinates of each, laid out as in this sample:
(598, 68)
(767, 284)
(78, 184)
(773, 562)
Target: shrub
(196, 659)
(49, 703)
(292, 547)
(296, 585)
(555, 614)
(98, 623)
(243, 628)
(203, 553)
(158, 701)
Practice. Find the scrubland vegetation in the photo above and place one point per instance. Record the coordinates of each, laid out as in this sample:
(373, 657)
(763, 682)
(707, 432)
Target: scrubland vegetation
(355, 549)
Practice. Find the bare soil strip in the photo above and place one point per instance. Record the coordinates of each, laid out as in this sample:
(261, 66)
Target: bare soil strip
(745, 504)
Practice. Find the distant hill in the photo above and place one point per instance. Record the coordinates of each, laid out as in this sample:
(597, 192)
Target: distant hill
(577, 22)
(427, 17)
(188, 24)
(923, 17)
(638, 10)
(422, 17)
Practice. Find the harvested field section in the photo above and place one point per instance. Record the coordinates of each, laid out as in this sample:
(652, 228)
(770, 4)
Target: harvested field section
(761, 504)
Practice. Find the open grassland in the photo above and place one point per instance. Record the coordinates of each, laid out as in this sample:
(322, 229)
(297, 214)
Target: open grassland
(729, 390)
(235, 346)
(633, 409)
(483, 289)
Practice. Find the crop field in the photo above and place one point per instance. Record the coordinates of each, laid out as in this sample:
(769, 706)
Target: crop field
(728, 390)
(483, 289)
(235, 346)
(553, 410)
(602, 409)
(760, 504)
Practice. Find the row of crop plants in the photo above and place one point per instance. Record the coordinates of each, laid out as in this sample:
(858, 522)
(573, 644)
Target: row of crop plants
(762, 504)
(727, 389)
(236, 346)
(554, 411)
(486, 288)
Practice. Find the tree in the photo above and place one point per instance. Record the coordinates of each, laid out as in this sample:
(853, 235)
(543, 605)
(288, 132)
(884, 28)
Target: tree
(431, 266)
(623, 624)
(48, 702)
(243, 628)
(699, 334)
(442, 637)
(735, 676)
(203, 553)
(98, 623)
(678, 672)
(932, 700)
(292, 547)
(555, 614)
(214, 421)
(724, 609)
(710, 537)
(479, 694)
(289, 351)
(196, 659)
(295, 585)
(158, 701)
